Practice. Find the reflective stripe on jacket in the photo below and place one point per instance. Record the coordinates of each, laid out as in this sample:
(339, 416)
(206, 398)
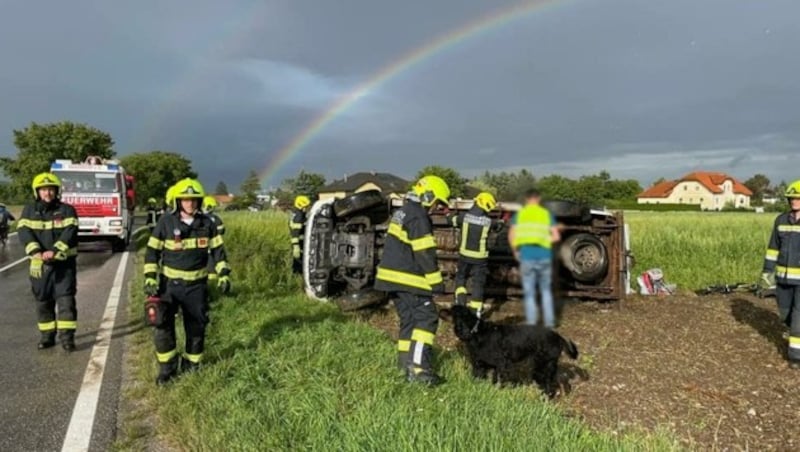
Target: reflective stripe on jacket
(49, 227)
(475, 225)
(783, 250)
(409, 261)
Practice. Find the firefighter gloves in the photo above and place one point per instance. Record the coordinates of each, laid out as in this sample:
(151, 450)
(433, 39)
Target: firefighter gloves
(150, 287)
(768, 279)
(224, 284)
(36, 267)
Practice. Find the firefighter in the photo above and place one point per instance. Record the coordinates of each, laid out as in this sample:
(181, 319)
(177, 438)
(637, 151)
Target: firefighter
(48, 229)
(297, 225)
(179, 250)
(782, 269)
(209, 205)
(473, 254)
(409, 271)
(152, 214)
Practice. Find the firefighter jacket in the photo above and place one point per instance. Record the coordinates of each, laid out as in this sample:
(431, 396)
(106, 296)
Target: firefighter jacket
(297, 224)
(181, 252)
(49, 227)
(783, 251)
(409, 260)
(475, 225)
(217, 221)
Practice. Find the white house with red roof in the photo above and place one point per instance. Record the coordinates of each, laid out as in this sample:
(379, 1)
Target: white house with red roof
(711, 190)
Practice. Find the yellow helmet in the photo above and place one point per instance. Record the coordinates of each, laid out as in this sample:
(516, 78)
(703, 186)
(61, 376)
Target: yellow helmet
(486, 201)
(151, 200)
(793, 190)
(431, 189)
(209, 204)
(301, 202)
(188, 188)
(169, 198)
(46, 180)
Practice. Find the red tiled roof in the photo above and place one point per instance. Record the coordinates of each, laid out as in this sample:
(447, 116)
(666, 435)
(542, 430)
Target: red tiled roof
(660, 190)
(710, 180)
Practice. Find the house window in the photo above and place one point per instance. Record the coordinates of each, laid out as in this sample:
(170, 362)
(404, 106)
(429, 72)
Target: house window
(685, 187)
(680, 199)
(701, 200)
(697, 186)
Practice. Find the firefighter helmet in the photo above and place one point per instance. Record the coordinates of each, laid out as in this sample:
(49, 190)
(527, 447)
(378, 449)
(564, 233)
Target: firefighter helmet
(188, 188)
(301, 202)
(793, 190)
(46, 180)
(431, 189)
(169, 197)
(209, 204)
(486, 201)
(151, 201)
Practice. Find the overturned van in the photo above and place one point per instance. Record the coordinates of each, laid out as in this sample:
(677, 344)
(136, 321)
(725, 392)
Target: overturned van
(345, 237)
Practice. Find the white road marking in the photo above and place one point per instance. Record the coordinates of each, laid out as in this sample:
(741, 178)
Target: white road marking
(13, 264)
(79, 433)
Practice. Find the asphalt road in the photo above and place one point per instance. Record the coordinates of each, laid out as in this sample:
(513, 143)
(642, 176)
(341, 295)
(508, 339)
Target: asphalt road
(38, 389)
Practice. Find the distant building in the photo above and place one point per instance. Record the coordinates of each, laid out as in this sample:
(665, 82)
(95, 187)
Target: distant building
(223, 199)
(770, 198)
(389, 184)
(711, 190)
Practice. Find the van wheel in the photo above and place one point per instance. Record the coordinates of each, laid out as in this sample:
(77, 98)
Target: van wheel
(585, 256)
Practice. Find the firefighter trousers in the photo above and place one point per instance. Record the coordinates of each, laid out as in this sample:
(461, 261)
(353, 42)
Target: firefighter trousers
(54, 293)
(788, 298)
(477, 272)
(419, 319)
(192, 300)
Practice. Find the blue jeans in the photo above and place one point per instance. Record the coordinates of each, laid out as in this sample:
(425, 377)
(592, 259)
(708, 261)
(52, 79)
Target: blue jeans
(538, 273)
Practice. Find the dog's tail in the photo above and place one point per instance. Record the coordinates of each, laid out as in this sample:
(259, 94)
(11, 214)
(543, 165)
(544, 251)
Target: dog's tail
(569, 346)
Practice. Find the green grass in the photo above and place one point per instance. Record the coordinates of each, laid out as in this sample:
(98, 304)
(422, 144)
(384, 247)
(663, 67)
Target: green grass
(283, 372)
(697, 249)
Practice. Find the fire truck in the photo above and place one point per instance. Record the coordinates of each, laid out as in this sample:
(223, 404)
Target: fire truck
(103, 196)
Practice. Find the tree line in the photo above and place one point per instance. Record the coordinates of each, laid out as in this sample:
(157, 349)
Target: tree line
(38, 145)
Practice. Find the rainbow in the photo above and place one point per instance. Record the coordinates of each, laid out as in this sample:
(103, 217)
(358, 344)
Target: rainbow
(405, 62)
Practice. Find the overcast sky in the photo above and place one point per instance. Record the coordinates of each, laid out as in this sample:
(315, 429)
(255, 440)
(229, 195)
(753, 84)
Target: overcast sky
(643, 89)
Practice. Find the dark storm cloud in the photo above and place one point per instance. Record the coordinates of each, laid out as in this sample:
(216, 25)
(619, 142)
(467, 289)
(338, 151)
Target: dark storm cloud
(642, 89)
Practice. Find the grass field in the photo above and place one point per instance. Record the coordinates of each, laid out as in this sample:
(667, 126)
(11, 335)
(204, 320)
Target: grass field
(284, 372)
(697, 249)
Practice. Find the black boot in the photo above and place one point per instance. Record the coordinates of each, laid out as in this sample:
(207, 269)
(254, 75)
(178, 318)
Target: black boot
(188, 366)
(424, 376)
(68, 340)
(167, 371)
(48, 340)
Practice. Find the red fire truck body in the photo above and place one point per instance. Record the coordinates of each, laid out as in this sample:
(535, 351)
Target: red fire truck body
(103, 195)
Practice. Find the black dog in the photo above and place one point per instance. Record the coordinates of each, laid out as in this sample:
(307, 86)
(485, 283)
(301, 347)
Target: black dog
(497, 347)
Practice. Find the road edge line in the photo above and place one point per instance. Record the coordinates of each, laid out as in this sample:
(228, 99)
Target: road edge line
(13, 264)
(81, 424)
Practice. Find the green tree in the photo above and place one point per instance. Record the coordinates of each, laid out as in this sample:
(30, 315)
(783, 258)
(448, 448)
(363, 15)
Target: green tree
(555, 186)
(454, 180)
(304, 183)
(248, 191)
(221, 189)
(155, 171)
(38, 145)
(758, 184)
